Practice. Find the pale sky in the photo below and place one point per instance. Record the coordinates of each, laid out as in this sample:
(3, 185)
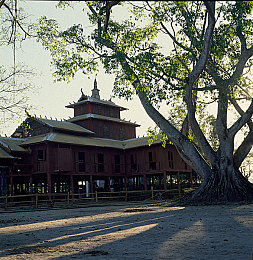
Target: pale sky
(48, 98)
(51, 98)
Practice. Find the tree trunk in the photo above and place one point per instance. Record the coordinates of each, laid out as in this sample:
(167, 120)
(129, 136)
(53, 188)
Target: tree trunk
(223, 186)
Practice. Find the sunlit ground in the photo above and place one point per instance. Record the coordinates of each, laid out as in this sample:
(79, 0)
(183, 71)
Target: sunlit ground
(121, 232)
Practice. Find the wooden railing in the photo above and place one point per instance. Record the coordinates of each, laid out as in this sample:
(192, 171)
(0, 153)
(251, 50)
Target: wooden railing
(63, 199)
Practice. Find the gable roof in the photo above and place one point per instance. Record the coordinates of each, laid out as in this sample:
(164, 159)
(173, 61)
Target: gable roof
(113, 119)
(89, 141)
(54, 124)
(97, 101)
(73, 139)
(12, 144)
(5, 155)
(63, 125)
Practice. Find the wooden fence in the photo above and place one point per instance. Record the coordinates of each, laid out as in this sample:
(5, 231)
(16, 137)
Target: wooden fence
(63, 199)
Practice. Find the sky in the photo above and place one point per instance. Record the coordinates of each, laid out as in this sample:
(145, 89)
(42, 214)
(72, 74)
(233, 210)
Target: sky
(48, 98)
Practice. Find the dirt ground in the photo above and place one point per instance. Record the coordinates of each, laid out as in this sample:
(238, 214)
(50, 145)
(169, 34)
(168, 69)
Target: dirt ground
(129, 232)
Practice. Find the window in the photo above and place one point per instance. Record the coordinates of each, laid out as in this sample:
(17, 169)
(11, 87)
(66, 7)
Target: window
(99, 110)
(100, 162)
(106, 131)
(81, 109)
(185, 166)
(41, 155)
(111, 112)
(81, 157)
(117, 163)
(170, 159)
(133, 162)
(152, 164)
(122, 133)
(81, 161)
(150, 156)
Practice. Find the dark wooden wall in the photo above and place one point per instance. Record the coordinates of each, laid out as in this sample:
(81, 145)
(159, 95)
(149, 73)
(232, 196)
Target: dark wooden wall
(98, 109)
(65, 158)
(109, 129)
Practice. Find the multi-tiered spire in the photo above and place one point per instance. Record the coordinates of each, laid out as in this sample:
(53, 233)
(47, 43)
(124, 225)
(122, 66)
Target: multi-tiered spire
(95, 91)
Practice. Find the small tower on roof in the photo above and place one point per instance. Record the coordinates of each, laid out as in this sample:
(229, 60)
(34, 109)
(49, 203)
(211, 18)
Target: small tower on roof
(95, 91)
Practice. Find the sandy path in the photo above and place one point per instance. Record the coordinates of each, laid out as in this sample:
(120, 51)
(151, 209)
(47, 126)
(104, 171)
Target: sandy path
(121, 232)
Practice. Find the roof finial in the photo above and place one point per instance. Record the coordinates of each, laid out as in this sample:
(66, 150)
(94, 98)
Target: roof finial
(95, 91)
(95, 84)
(83, 96)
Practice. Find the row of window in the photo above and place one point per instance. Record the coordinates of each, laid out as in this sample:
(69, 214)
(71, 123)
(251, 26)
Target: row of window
(100, 162)
(41, 155)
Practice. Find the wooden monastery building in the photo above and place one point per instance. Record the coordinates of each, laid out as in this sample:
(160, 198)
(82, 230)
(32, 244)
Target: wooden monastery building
(94, 150)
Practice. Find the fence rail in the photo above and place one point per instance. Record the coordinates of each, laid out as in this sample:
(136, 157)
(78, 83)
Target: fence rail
(61, 199)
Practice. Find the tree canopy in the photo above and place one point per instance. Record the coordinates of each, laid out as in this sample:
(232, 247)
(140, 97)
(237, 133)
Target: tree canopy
(188, 55)
(13, 88)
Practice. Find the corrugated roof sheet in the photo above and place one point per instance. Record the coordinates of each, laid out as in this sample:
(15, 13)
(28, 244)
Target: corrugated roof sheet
(87, 116)
(139, 142)
(12, 144)
(98, 101)
(5, 155)
(89, 141)
(64, 125)
(73, 139)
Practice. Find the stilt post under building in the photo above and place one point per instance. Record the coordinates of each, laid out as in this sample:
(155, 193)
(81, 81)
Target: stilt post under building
(96, 196)
(72, 186)
(178, 183)
(91, 186)
(109, 183)
(31, 184)
(11, 182)
(36, 200)
(6, 201)
(145, 182)
(191, 180)
(125, 183)
(164, 180)
(68, 197)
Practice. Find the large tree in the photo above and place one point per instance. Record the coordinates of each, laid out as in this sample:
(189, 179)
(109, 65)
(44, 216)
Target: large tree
(208, 62)
(13, 75)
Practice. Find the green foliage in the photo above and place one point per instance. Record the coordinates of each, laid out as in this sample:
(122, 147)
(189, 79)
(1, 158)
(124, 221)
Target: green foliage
(133, 51)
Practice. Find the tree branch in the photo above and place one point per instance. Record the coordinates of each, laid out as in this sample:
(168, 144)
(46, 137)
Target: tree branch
(108, 8)
(16, 21)
(1, 3)
(193, 76)
(243, 150)
(244, 119)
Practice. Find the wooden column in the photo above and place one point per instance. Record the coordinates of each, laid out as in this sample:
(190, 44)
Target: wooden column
(109, 184)
(49, 177)
(191, 179)
(11, 183)
(125, 183)
(49, 185)
(145, 182)
(171, 181)
(178, 183)
(72, 186)
(91, 185)
(31, 183)
(165, 180)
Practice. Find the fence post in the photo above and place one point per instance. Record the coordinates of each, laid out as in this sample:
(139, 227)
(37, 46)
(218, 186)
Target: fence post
(96, 195)
(126, 196)
(6, 201)
(152, 192)
(68, 197)
(36, 200)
